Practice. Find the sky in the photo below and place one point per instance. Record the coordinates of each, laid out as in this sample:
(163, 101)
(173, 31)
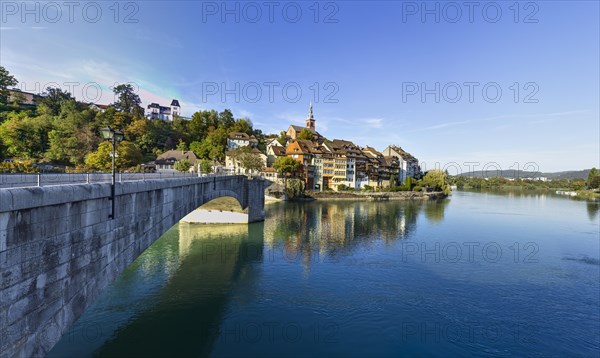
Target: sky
(460, 85)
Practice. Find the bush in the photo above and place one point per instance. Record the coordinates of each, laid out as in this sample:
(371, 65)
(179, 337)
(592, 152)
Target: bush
(417, 188)
(294, 188)
(183, 165)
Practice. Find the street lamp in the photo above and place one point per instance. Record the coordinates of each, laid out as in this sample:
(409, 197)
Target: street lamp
(115, 137)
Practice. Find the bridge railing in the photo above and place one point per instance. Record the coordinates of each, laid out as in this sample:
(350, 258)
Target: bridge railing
(20, 180)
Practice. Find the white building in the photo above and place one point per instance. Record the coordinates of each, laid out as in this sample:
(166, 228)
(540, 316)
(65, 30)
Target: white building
(236, 140)
(409, 165)
(155, 110)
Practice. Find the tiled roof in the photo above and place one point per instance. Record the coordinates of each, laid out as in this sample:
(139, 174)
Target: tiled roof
(278, 151)
(239, 135)
(172, 156)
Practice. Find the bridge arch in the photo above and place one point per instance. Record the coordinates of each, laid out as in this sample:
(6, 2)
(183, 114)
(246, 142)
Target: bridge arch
(59, 249)
(216, 194)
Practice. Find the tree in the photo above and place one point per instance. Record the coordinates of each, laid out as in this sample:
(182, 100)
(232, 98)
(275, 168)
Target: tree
(205, 166)
(54, 98)
(25, 137)
(436, 180)
(305, 134)
(213, 146)
(183, 165)
(591, 181)
(226, 119)
(128, 155)
(6, 80)
(286, 165)
(182, 146)
(282, 138)
(127, 100)
(294, 188)
(243, 125)
(251, 162)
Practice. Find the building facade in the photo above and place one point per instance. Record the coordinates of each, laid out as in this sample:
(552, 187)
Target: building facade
(165, 113)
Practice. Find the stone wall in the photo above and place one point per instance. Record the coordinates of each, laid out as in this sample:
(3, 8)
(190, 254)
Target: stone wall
(59, 249)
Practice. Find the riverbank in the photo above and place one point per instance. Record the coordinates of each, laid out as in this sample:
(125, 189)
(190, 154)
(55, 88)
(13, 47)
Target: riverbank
(375, 196)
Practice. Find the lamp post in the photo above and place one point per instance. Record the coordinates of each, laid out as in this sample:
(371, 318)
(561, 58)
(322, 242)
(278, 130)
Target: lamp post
(115, 137)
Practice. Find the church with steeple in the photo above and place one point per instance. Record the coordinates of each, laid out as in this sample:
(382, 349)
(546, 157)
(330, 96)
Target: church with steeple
(293, 130)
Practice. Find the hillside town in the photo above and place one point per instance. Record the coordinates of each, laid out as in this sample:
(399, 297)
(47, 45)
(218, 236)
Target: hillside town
(321, 163)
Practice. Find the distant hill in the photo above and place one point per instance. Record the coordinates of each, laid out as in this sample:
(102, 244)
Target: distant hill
(511, 173)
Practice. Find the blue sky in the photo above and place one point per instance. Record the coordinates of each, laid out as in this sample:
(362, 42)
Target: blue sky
(371, 61)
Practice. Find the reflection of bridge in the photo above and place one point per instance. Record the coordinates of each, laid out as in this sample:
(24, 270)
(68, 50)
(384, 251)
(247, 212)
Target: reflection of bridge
(59, 249)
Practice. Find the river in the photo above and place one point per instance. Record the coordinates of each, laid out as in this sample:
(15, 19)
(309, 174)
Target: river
(483, 274)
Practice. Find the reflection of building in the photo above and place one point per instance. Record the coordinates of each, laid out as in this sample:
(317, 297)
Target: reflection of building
(323, 230)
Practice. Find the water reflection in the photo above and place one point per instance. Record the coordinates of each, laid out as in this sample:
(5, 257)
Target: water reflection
(211, 258)
(327, 229)
(593, 208)
(220, 291)
(181, 316)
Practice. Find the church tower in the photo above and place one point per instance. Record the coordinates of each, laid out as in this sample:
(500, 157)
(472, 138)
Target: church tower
(310, 120)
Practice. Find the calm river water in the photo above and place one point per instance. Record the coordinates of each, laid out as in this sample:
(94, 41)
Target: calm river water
(477, 274)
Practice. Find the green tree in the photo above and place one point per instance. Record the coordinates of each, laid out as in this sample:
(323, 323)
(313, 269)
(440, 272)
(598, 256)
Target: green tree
(127, 100)
(183, 165)
(409, 183)
(128, 155)
(294, 188)
(251, 162)
(282, 138)
(591, 179)
(205, 166)
(54, 98)
(213, 146)
(305, 134)
(243, 125)
(25, 137)
(182, 146)
(6, 80)
(226, 119)
(286, 165)
(436, 180)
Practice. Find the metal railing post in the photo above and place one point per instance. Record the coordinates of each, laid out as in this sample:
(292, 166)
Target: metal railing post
(39, 179)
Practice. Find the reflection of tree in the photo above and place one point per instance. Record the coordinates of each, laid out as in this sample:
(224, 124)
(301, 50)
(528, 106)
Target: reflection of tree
(593, 209)
(184, 317)
(434, 210)
(326, 229)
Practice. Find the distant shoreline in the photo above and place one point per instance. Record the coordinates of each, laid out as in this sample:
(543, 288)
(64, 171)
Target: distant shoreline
(375, 196)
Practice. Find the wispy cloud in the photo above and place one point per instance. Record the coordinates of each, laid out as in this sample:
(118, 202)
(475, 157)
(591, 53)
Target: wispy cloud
(374, 122)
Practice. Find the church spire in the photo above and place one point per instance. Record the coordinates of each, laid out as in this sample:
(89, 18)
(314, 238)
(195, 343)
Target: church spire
(310, 119)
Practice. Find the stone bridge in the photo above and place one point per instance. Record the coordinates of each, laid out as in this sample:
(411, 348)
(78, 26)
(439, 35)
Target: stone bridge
(59, 248)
